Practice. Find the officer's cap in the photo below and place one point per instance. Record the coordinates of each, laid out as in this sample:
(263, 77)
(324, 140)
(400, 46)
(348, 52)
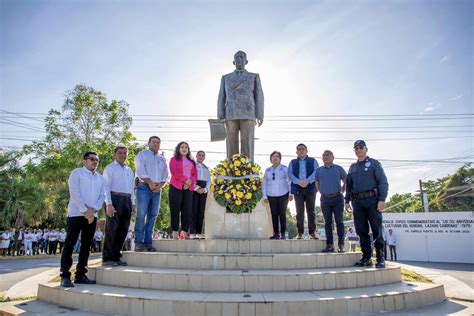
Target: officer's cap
(360, 142)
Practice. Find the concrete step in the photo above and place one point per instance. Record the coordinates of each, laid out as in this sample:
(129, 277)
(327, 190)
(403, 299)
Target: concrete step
(237, 261)
(130, 301)
(241, 246)
(244, 280)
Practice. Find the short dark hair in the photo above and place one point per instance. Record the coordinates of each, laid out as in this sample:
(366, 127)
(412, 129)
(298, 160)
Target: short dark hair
(151, 137)
(120, 147)
(87, 154)
(275, 152)
(301, 144)
(201, 151)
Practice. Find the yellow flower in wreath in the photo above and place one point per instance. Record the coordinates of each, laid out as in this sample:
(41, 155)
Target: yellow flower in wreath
(248, 196)
(240, 195)
(233, 191)
(220, 192)
(237, 172)
(254, 187)
(243, 160)
(237, 163)
(238, 202)
(254, 169)
(227, 196)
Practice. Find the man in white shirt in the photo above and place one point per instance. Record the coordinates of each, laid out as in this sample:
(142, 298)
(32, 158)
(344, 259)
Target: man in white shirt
(120, 200)
(152, 172)
(98, 240)
(53, 241)
(392, 244)
(61, 239)
(87, 194)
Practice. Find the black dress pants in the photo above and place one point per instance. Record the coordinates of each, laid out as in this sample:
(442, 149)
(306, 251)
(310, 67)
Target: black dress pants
(116, 228)
(77, 225)
(308, 199)
(199, 206)
(181, 202)
(278, 205)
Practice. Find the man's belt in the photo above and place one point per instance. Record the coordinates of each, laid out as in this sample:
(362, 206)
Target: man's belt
(363, 195)
(121, 194)
(331, 195)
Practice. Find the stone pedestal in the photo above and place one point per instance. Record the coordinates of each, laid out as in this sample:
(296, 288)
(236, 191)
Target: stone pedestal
(222, 225)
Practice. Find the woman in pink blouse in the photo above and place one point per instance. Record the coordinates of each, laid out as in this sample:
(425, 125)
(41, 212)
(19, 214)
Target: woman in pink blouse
(183, 180)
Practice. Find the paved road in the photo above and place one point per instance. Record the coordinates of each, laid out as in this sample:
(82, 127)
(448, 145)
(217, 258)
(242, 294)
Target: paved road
(464, 272)
(14, 271)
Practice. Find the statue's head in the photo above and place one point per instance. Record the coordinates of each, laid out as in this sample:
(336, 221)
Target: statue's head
(240, 60)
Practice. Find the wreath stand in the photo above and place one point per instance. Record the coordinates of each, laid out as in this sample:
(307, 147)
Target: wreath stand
(220, 224)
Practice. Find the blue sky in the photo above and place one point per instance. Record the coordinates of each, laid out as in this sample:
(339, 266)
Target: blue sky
(314, 58)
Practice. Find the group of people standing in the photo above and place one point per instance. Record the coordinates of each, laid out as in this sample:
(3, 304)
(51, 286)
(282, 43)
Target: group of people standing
(189, 185)
(30, 242)
(365, 186)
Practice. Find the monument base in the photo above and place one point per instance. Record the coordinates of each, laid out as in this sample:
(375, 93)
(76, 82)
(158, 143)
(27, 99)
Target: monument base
(219, 224)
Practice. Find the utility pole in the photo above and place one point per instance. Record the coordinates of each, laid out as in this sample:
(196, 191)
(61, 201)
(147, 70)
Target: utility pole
(424, 199)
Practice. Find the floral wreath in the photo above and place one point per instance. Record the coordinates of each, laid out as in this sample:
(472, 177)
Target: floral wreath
(236, 184)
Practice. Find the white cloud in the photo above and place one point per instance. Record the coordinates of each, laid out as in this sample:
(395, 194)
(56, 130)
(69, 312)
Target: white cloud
(445, 58)
(456, 98)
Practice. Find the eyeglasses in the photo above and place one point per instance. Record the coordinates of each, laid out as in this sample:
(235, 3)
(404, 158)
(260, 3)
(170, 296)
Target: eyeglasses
(273, 175)
(93, 159)
(358, 147)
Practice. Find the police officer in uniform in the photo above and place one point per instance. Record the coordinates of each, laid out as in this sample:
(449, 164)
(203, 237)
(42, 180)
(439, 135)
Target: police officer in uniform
(366, 190)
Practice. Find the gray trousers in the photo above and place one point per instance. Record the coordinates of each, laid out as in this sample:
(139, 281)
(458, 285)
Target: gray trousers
(247, 135)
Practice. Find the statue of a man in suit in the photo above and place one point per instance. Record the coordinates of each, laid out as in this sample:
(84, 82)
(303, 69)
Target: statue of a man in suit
(240, 103)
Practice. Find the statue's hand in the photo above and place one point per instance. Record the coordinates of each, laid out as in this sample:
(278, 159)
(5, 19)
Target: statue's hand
(259, 122)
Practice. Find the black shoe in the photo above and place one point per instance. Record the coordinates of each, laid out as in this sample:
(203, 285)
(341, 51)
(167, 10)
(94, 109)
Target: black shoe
(109, 264)
(121, 263)
(363, 263)
(380, 263)
(66, 282)
(151, 249)
(328, 248)
(341, 249)
(84, 280)
(140, 249)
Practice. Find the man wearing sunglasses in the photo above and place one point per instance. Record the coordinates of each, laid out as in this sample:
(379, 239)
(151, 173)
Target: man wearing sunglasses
(366, 190)
(87, 194)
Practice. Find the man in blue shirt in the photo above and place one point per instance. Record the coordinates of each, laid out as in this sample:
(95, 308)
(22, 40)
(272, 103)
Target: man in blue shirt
(367, 189)
(328, 182)
(301, 172)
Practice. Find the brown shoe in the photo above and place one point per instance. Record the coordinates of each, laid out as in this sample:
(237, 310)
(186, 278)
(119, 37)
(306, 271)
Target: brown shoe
(299, 236)
(313, 237)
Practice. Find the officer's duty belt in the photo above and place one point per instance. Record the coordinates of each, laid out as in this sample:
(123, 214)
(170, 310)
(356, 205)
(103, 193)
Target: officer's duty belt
(363, 195)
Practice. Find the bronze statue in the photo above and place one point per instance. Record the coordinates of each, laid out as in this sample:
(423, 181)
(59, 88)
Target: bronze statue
(240, 104)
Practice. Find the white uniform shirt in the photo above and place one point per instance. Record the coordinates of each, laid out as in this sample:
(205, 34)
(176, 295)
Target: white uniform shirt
(276, 182)
(391, 239)
(52, 236)
(118, 179)
(151, 166)
(5, 242)
(98, 235)
(34, 237)
(85, 187)
(62, 236)
(203, 174)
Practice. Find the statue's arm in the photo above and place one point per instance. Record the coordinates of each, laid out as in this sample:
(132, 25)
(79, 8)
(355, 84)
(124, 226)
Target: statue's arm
(258, 99)
(221, 101)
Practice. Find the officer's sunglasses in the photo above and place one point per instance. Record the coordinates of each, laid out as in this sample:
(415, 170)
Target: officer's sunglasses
(358, 147)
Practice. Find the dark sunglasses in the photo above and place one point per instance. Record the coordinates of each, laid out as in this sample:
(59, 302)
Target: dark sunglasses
(358, 147)
(93, 159)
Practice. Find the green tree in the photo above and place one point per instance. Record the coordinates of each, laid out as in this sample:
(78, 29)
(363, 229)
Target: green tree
(456, 194)
(86, 122)
(399, 203)
(291, 224)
